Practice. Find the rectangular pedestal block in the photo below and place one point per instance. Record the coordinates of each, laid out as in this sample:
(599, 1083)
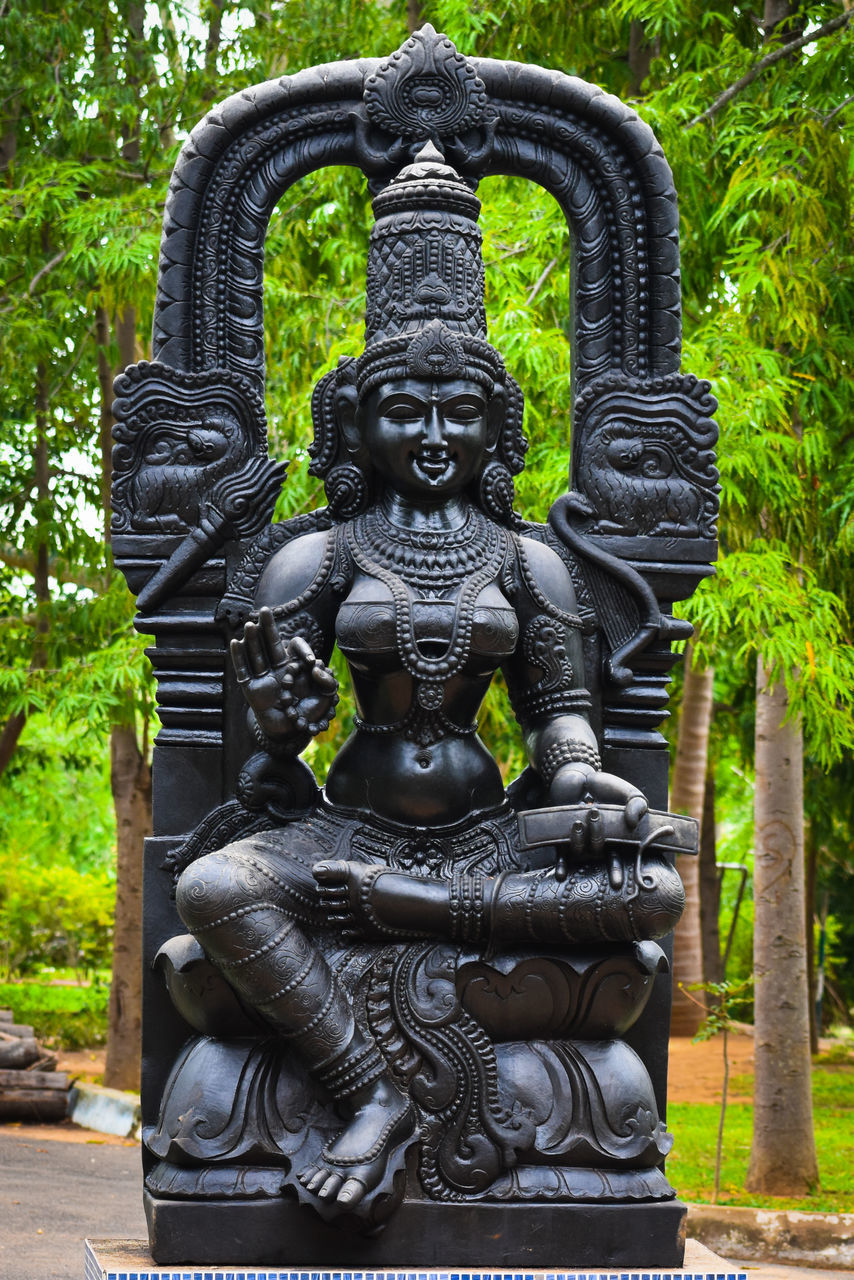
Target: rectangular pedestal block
(420, 1234)
(130, 1260)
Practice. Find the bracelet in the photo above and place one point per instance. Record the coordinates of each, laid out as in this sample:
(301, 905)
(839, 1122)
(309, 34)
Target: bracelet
(273, 747)
(530, 703)
(571, 751)
(465, 898)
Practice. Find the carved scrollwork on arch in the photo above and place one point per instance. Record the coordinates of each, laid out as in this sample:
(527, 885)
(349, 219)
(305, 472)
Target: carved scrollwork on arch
(425, 90)
(590, 151)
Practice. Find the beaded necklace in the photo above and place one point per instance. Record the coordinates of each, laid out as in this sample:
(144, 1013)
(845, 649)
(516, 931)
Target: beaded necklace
(393, 556)
(432, 562)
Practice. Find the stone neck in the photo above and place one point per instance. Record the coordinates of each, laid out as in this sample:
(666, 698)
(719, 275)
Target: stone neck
(445, 515)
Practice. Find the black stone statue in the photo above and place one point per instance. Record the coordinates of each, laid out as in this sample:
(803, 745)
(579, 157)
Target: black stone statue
(407, 1003)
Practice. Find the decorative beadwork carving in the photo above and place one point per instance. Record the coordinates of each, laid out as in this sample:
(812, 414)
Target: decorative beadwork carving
(570, 752)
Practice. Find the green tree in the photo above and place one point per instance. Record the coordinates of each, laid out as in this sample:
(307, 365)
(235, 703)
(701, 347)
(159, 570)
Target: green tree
(92, 101)
(770, 247)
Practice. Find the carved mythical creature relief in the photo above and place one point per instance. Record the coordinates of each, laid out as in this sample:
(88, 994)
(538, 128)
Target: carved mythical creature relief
(190, 458)
(644, 457)
(178, 435)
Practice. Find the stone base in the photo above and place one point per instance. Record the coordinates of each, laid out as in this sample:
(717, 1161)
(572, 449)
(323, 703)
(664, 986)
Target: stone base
(420, 1234)
(130, 1260)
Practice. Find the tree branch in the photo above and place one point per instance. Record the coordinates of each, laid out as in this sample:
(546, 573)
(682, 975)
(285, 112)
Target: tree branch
(26, 562)
(540, 281)
(846, 102)
(783, 51)
(42, 271)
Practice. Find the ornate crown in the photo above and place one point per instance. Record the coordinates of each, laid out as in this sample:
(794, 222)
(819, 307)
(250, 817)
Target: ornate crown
(425, 280)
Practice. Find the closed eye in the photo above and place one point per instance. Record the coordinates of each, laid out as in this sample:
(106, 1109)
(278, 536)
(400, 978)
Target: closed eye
(403, 410)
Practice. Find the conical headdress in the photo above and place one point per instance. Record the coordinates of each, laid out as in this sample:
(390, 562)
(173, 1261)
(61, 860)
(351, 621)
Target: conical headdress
(425, 314)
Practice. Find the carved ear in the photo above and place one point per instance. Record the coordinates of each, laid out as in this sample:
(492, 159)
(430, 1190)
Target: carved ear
(346, 415)
(496, 414)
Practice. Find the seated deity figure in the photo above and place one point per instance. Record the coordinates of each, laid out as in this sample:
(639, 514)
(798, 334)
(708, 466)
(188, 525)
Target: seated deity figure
(428, 583)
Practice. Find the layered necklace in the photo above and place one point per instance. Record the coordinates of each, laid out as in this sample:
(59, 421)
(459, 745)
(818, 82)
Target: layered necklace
(407, 560)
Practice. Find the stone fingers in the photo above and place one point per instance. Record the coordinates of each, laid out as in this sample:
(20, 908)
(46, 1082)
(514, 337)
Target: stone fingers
(587, 837)
(272, 639)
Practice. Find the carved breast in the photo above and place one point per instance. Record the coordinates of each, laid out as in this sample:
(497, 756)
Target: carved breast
(368, 627)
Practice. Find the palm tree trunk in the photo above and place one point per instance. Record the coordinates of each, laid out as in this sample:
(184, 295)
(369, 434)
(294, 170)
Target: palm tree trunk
(687, 791)
(130, 782)
(710, 885)
(782, 1157)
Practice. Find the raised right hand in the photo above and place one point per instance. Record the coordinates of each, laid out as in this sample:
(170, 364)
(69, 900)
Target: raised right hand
(288, 688)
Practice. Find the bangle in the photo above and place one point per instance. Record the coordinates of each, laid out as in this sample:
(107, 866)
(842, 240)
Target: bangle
(571, 751)
(465, 899)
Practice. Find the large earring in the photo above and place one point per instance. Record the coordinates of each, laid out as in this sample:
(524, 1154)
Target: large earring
(346, 491)
(514, 444)
(496, 492)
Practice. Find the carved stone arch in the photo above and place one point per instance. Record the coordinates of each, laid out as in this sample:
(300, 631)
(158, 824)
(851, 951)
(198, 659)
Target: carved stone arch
(192, 482)
(599, 160)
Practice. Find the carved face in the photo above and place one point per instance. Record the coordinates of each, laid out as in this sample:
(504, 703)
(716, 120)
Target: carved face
(426, 437)
(624, 453)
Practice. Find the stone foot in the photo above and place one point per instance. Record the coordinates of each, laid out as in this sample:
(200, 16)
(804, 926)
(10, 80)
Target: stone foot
(369, 1150)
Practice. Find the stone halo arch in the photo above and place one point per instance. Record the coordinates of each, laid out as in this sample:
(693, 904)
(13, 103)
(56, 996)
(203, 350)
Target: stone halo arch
(590, 151)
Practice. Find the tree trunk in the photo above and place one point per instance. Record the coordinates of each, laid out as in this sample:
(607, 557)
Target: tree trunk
(710, 886)
(130, 779)
(782, 1157)
(9, 735)
(130, 782)
(640, 56)
(810, 872)
(687, 790)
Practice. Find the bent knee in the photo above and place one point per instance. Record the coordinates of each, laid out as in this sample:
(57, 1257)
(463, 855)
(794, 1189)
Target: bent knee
(218, 885)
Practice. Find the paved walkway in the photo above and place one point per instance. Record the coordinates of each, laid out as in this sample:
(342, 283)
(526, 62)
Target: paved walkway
(59, 1184)
(54, 1192)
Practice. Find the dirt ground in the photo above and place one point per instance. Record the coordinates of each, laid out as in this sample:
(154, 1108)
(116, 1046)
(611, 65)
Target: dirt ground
(697, 1070)
(83, 1064)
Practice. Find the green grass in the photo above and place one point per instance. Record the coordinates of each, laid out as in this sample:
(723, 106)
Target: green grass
(62, 1016)
(691, 1167)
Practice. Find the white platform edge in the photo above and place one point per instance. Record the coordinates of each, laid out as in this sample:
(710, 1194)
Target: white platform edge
(130, 1260)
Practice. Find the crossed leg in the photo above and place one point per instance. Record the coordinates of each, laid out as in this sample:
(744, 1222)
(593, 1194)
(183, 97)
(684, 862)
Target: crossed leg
(248, 908)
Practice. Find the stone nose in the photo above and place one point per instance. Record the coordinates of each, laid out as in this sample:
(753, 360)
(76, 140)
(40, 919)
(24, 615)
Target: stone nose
(434, 428)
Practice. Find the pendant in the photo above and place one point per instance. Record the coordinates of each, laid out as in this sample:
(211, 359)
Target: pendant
(431, 694)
